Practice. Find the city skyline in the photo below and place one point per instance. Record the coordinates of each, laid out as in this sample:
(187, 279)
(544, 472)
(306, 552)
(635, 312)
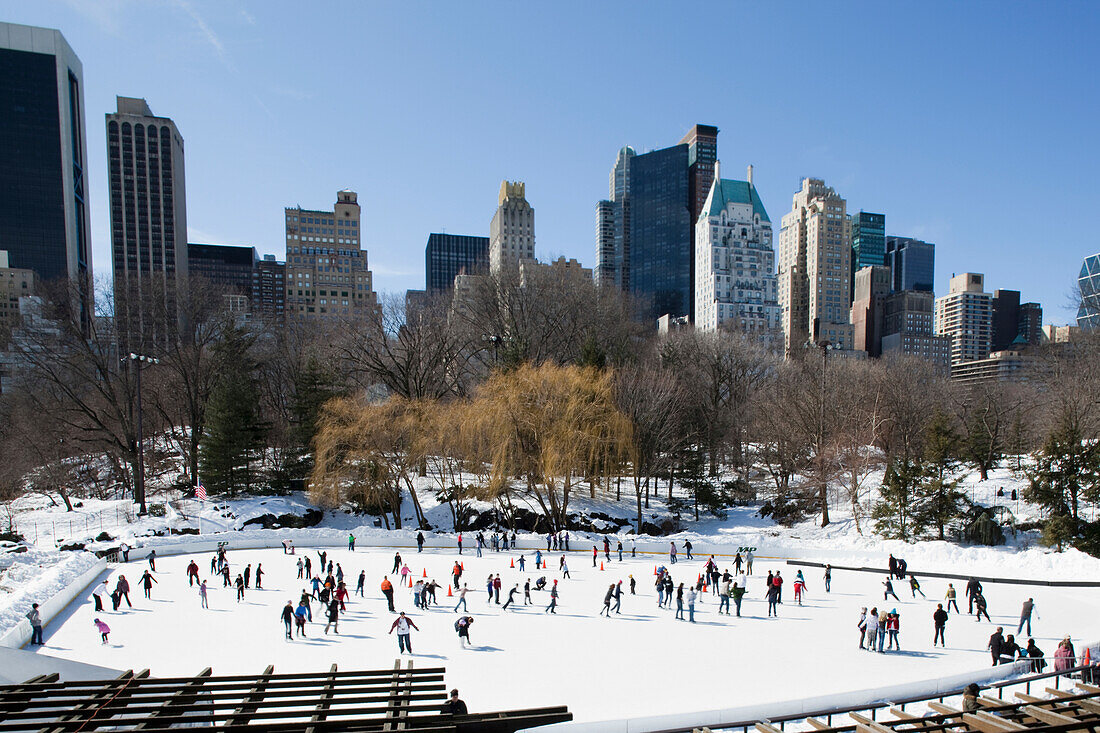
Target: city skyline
(954, 134)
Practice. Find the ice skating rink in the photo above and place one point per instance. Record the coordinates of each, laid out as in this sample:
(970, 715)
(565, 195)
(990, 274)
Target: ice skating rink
(642, 662)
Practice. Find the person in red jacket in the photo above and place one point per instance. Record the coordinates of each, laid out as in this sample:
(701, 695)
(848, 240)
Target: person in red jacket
(342, 595)
(403, 624)
(777, 581)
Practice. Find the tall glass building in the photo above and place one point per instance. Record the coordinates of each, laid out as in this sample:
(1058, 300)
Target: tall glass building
(447, 255)
(912, 263)
(868, 240)
(1088, 282)
(661, 257)
(43, 216)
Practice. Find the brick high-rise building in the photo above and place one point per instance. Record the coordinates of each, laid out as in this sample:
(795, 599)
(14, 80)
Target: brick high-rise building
(327, 276)
(965, 315)
(872, 285)
(814, 260)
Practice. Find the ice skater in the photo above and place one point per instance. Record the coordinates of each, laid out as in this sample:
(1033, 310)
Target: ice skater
(35, 619)
(202, 595)
(462, 626)
(950, 597)
(553, 599)
(1025, 615)
(914, 586)
(939, 621)
(122, 590)
(462, 599)
(404, 626)
(103, 629)
(288, 620)
(511, 597)
(259, 576)
(147, 581)
(606, 611)
(361, 583)
(192, 573)
(527, 593)
(333, 616)
(239, 583)
(888, 583)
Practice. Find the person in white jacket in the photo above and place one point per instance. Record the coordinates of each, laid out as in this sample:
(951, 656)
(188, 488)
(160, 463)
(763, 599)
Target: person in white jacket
(872, 629)
(97, 595)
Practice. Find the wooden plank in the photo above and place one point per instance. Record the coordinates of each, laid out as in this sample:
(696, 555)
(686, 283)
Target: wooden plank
(1029, 698)
(252, 700)
(859, 717)
(1048, 716)
(320, 712)
(767, 728)
(87, 710)
(989, 702)
(182, 698)
(1059, 693)
(1088, 688)
(398, 709)
(992, 723)
(22, 696)
(939, 707)
(871, 726)
(818, 724)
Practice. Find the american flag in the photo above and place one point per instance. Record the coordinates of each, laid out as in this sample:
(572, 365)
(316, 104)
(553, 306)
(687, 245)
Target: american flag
(200, 492)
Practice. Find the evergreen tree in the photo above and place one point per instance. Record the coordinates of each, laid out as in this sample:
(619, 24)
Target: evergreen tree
(937, 500)
(899, 489)
(314, 386)
(234, 435)
(1066, 471)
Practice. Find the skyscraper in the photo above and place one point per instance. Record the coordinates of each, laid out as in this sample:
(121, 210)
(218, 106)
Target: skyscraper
(868, 232)
(814, 261)
(1088, 287)
(43, 216)
(661, 256)
(512, 230)
(735, 284)
(327, 275)
(613, 226)
(269, 289)
(148, 222)
(1016, 325)
(907, 328)
(965, 314)
(702, 142)
(226, 268)
(447, 255)
(872, 285)
(912, 263)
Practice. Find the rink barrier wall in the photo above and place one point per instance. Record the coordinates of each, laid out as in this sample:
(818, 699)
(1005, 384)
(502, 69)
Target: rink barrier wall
(18, 635)
(809, 706)
(956, 576)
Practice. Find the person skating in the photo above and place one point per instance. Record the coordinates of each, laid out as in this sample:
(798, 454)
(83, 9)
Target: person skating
(288, 620)
(799, 588)
(420, 542)
(527, 593)
(687, 549)
(152, 558)
(862, 625)
(632, 583)
(950, 598)
(828, 577)
(511, 597)
(125, 548)
(103, 629)
(462, 626)
(553, 599)
(432, 588)
(564, 567)
(513, 539)
(1025, 615)
(333, 616)
(361, 583)
(462, 599)
(1038, 664)
(724, 597)
(1010, 650)
(396, 563)
(341, 595)
(737, 592)
(351, 542)
(309, 568)
(672, 553)
(902, 565)
(983, 607)
(405, 572)
(122, 590)
(301, 613)
(226, 582)
(35, 619)
(595, 555)
(239, 583)
(203, 595)
(247, 574)
(893, 626)
(769, 583)
(619, 547)
(521, 562)
(939, 621)
(259, 576)
(660, 586)
(872, 629)
(618, 597)
(606, 611)
(633, 548)
(339, 574)
(540, 584)
(146, 581)
(680, 602)
(892, 563)
(914, 586)
(97, 595)
(459, 543)
(773, 600)
(324, 559)
(387, 591)
(192, 573)
(691, 596)
(456, 573)
(889, 590)
(973, 589)
(404, 626)
(454, 706)
(496, 588)
(996, 641)
(607, 549)
(418, 589)
(777, 581)
(748, 562)
(737, 563)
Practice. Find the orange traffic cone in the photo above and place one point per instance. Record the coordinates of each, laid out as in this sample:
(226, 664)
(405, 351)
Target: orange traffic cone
(448, 590)
(704, 587)
(654, 569)
(425, 572)
(1086, 660)
(462, 566)
(513, 563)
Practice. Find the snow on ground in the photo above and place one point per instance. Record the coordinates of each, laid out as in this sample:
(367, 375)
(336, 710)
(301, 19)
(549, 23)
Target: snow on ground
(642, 662)
(32, 577)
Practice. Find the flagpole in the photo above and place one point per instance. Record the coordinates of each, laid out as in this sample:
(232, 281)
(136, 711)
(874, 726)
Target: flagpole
(198, 485)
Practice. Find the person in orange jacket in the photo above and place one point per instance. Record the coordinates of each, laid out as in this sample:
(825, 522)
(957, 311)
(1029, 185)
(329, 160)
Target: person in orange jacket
(387, 591)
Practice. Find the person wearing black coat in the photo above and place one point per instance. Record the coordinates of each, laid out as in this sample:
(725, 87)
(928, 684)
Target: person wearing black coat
(288, 618)
(1038, 664)
(454, 706)
(996, 643)
(973, 589)
(333, 616)
(939, 619)
(1010, 650)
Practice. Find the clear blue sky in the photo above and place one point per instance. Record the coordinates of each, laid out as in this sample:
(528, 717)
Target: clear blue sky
(972, 124)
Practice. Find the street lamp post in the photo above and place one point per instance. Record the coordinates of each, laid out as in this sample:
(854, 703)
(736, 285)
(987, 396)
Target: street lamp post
(496, 340)
(140, 360)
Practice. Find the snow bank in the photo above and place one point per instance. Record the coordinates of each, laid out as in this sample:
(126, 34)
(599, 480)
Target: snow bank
(50, 579)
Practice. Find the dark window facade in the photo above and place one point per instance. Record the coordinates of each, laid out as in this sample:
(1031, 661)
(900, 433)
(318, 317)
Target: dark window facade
(32, 193)
(447, 255)
(912, 263)
(661, 257)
